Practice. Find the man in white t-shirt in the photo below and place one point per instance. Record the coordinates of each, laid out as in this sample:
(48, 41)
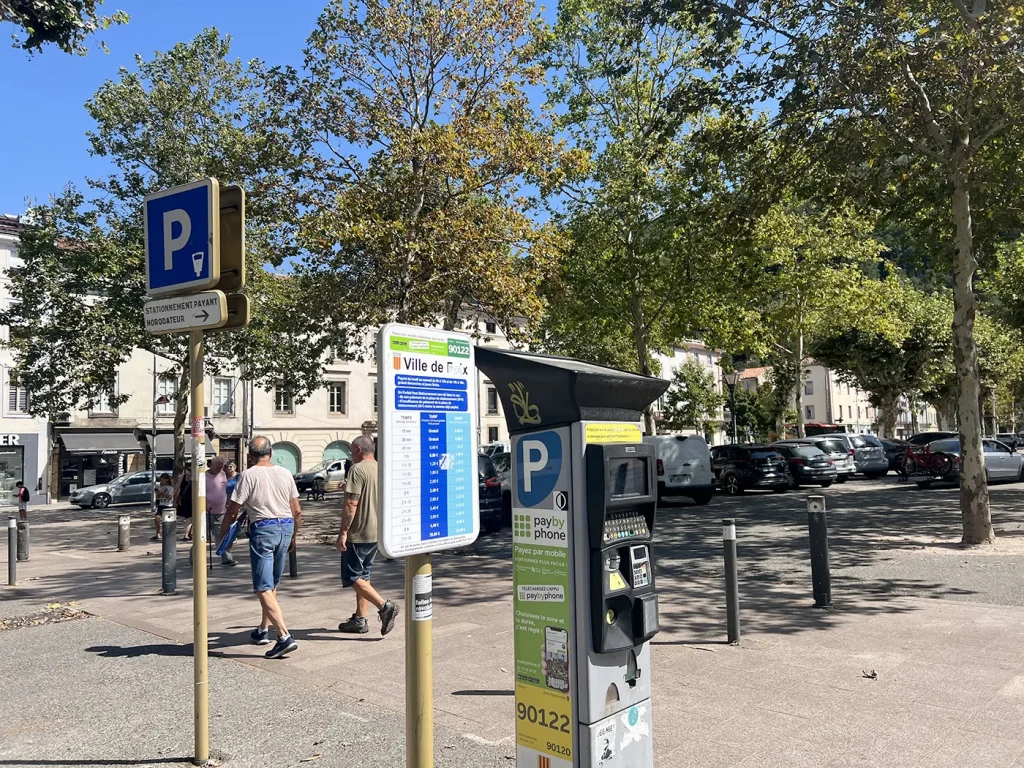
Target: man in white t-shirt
(271, 500)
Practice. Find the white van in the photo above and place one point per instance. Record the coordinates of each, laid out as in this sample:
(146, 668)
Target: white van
(684, 467)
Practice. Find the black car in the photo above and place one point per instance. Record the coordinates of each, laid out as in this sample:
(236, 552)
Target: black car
(807, 464)
(923, 438)
(895, 451)
(490, 494)
(739, 467)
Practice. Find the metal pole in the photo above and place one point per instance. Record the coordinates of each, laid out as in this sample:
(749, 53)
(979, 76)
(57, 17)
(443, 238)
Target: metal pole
(732, 587)
(124, 532)
(419, 663)
(817, 525)
(23, 539)
(12, 551)
(169, 556)
(200, 661)
(244, 447)
(733, 395)
(293, 564)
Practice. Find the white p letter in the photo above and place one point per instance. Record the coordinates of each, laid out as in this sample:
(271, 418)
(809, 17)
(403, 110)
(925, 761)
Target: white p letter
(529, 464)
(172, 244)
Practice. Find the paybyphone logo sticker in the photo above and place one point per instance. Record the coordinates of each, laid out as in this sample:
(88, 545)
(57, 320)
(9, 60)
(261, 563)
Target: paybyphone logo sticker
(539, 458)
(548, 527)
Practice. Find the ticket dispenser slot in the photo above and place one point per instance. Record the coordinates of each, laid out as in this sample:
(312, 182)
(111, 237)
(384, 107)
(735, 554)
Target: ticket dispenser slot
(621, 500)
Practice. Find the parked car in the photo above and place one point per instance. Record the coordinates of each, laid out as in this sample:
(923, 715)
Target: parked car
(492, 448)
(490, 494)
(1001, 461)
(1010, 439)
(837, 450)
(329, 475)
(503, 464)
(133, 488)
(684, 467)
(868, 454)
(807, 464)
(895, 451)
(739, 467)
(923, 438)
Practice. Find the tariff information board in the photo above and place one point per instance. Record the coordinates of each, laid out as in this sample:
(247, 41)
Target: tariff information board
(427, 442)
(541, 574)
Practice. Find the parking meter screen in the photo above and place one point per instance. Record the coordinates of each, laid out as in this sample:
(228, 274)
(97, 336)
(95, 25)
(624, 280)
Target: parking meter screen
(627, 477)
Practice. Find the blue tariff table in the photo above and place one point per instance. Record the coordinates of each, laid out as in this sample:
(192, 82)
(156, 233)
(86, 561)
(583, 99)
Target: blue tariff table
(428, 444)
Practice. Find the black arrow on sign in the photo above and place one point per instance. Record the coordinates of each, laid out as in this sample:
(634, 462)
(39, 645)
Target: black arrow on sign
(203, 316)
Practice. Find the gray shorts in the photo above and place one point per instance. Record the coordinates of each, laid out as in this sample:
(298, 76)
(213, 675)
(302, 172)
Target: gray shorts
(357, 562)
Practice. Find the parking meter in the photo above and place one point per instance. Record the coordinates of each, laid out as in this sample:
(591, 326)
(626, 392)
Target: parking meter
(584, 503)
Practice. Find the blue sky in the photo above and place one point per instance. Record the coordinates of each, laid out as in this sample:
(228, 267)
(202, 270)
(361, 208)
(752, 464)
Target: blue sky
(43, 130)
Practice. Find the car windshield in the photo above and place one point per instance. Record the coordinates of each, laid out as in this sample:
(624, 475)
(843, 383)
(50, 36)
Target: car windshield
(831, 446)
(501, 461)
(944, 446)
(319, 467)
(807, 451)
(485, 467)
(120, 480)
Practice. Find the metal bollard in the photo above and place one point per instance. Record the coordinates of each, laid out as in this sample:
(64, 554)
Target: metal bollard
(12, 551)
(293, 564)
(124, 532)
(817, 525)
(732, 587)
(169, 555)
(23, 539)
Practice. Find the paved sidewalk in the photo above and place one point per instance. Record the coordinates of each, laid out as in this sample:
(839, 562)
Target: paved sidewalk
(948, 684)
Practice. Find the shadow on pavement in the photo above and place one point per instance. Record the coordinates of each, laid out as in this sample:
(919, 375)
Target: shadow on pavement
(135, 651)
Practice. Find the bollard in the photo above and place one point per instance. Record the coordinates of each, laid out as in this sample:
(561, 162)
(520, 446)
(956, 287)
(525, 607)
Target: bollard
(732, 587)
(170, 552)
(23, 539)
(817, 525)
(124, 532)
(12, 551)
(293, 564)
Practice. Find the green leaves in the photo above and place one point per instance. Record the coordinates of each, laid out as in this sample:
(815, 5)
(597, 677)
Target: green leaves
(64, 23)
(692, 400)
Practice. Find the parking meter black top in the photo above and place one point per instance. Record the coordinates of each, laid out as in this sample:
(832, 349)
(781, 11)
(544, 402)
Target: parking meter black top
(540, 391)
(621, 503)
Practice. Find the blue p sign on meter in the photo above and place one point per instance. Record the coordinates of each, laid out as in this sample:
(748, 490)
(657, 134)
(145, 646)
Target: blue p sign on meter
(182, 235)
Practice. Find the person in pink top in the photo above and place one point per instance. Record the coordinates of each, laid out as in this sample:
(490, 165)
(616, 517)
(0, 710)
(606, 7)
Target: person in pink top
(217, 502)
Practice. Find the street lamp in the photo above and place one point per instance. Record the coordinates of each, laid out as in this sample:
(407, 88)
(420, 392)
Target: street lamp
(731, 379)
(162, 400)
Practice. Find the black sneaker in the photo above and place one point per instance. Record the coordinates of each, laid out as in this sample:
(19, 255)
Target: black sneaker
(260, 636)
(354, 625)
(284, 645)
(387, 614)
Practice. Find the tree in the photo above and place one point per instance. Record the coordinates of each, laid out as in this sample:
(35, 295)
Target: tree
(419, 140)
(761, 413)
(890, 367)
(185, 114)
(64, 23)
(916, 109)
(692, 399)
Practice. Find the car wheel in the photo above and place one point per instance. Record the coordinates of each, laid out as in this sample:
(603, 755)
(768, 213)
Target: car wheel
(1020, 475)
(100, 500)
(876, 475)
(825, 483)
(731, 484)
(492, 526)
(506, 508)
(702, 498)
(922, 484)
(841, 479)
(780, 488)
(794, 483)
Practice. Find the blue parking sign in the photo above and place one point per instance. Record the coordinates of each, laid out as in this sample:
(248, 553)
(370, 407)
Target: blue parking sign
(182, 234)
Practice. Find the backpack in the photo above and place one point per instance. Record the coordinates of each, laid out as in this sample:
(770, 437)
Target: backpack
(25, 496)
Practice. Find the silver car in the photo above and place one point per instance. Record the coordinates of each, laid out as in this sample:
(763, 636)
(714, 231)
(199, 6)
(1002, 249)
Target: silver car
(133, 488)
(837, 450)
(1001, 461)
(868, 453)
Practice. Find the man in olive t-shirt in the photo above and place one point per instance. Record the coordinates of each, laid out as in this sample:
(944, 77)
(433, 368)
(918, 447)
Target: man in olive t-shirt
(357, 540)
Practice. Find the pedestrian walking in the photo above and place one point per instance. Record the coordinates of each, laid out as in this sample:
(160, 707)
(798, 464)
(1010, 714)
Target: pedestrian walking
(23, 499)
(183, 501)
(357, 541)
(231, 473)
(217, 502)
(271, 500)
(164, 500)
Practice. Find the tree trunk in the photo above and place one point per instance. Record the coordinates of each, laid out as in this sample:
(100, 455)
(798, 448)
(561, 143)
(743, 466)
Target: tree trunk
(974, 501)
(888, 411)
(643, 359)
(181, 405)
(798, 359)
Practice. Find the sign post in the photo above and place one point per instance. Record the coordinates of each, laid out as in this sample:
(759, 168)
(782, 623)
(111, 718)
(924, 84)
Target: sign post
(184, 239)
(427, 451)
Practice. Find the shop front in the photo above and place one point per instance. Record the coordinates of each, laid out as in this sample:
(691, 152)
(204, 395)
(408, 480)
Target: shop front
(19, 462)
(91, 458)
(164, 451)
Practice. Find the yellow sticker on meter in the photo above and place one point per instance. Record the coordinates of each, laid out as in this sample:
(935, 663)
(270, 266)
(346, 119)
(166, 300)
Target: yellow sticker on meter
(611, 432)
(544, 720)
(616, 582)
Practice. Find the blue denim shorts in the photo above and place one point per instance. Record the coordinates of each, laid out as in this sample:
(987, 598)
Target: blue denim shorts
(268, 552)
(356, 563)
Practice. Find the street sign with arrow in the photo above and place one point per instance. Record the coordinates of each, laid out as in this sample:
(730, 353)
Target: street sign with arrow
(195, 311)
